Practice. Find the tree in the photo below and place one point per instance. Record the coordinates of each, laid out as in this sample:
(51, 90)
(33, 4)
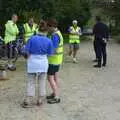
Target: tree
(64, 11)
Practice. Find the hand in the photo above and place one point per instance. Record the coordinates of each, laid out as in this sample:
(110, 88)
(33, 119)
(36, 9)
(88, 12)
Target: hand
(105, 40)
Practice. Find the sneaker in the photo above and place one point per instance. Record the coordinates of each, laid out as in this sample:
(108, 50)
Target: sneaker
(50, 96)
(54, 101)
(74, 60)
(26, 105)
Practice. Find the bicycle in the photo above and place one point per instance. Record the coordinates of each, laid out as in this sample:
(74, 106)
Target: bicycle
(11, 60)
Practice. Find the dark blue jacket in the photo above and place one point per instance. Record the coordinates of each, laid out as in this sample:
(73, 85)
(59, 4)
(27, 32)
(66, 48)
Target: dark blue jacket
(100, 31)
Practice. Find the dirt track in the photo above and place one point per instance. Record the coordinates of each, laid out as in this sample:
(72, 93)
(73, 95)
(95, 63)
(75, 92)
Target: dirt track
(87, 93)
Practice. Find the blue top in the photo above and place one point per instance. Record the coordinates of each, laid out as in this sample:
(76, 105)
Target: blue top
(56, 40)
(39, 45)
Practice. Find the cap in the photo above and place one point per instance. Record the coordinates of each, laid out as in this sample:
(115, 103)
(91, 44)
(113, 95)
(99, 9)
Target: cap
(75, 21)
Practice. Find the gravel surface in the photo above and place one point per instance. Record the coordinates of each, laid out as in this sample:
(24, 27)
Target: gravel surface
(87, 93)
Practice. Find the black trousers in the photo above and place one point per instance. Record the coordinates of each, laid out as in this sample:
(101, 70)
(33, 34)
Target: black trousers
(95, 48)
(101, 52)
(11, 49)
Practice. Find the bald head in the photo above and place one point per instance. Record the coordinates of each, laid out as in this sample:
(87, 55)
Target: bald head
(14, 18)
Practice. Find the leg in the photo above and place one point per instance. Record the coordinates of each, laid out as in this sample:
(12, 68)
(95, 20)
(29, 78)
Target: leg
(56, 77)
(28, 102)
(70, 49)
(75, 50)
(31, 85)
(53, 85)
(104, 53)
(53, 80)
(42, 89)
(8, 50)
(99, 52)
(13, 49)
(95, 49)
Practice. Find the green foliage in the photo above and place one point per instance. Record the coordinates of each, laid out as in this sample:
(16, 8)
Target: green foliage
(110, 12)
(63, 10)
(117, 38)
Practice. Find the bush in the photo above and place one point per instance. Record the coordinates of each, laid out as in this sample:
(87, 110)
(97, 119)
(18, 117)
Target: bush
(117, 38)
(116, 31)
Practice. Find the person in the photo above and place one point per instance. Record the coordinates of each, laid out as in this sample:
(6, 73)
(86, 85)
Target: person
(101, 33)
(55, 61)
(95, 50)
(36, 51)
(74, 39)
(11, 32)
(30, 29)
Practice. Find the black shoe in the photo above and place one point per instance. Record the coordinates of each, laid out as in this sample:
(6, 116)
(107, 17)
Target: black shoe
(103, 65)
(97, 66)
(54, 100)
(26, 105)
(50, 97)
(95, 60)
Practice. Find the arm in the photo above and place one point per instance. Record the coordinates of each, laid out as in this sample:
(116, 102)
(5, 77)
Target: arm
(80, 32)
(75, 33)
(106, 34)
(26, 49)
(8, 29)
(56, 41)
(50, 50)
(71, 32)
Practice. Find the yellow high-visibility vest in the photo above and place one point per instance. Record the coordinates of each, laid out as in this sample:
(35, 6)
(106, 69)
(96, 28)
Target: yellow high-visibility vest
(57, 58)
(11, 31)
(74, 38)
(29, 31)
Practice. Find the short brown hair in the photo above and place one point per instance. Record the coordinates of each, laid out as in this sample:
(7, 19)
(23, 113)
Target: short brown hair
(42, 26)
(52, 23)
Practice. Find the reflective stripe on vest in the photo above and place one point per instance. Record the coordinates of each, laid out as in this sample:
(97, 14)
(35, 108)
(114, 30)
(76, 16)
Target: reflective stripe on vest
(57, 58)
(74, 38)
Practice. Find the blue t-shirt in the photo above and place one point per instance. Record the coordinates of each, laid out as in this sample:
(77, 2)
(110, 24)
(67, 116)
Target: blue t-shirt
(56, 40)
(39, 45)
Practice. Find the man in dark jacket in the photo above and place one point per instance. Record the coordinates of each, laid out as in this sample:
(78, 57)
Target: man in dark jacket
(101, 33)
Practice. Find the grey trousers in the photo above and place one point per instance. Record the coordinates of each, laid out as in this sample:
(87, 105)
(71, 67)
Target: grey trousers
(40, 79)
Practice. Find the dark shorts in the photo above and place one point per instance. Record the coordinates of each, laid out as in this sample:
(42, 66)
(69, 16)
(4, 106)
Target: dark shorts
(74, 45)
(53, 69)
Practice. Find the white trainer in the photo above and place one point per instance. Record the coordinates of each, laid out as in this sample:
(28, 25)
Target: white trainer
(75, 60)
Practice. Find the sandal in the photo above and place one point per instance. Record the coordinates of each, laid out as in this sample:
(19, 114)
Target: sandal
(41, 101)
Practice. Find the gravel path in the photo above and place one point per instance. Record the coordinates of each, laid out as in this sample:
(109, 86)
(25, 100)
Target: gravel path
(87, 93)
